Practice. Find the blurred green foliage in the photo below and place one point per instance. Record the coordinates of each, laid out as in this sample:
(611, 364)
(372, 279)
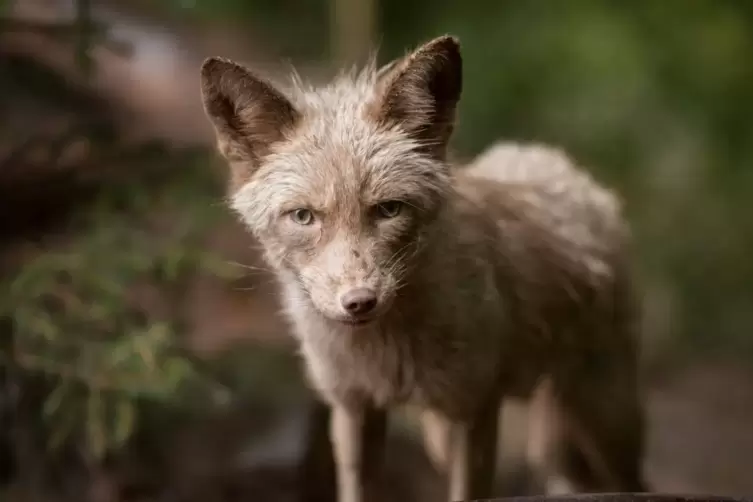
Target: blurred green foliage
(82, 313)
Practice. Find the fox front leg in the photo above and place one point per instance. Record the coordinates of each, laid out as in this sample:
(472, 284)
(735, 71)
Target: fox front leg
(358, 436)
(472, 456)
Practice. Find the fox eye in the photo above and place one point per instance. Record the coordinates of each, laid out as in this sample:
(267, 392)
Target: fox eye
(389, 209)
(302, 216)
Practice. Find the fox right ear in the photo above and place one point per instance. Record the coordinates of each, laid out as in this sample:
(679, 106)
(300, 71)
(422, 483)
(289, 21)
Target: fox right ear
(248, 113)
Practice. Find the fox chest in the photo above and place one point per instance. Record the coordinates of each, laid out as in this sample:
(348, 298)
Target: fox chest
(388, 371)
(360, 365)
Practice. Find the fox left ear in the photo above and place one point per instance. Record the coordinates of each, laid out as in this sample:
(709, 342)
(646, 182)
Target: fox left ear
(421, 93)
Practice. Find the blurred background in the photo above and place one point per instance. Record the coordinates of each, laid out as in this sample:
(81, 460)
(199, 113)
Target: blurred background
(143, 356)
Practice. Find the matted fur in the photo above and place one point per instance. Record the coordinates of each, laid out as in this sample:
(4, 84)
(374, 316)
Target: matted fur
(489, 278)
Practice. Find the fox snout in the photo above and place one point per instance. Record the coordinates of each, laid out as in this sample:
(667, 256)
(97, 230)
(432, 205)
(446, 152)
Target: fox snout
(351, 300)
(354, 303)
(359, 301)
(346, 282)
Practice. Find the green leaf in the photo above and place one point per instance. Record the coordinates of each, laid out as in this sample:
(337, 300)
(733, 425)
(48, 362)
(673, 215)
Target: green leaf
(125, 421)
(146, 352)
(121, 351)
(54, 400)
(173, 265)
(63, 428)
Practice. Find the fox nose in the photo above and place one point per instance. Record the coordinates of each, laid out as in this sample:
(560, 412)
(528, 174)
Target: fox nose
(359, 301)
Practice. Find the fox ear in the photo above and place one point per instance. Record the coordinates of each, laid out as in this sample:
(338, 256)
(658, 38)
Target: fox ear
(421, 92)
(388, 69)
(248, 113)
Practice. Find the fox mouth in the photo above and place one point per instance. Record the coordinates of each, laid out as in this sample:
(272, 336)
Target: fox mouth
(352, 321)
(343, 319)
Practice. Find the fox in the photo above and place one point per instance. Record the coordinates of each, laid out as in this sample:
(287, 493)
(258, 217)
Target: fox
(412, 279)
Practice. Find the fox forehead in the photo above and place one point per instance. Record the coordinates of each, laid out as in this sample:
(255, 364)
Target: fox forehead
(340, 145)
(328, 167)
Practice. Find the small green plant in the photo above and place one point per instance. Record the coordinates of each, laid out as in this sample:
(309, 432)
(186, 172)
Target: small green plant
(80, 317)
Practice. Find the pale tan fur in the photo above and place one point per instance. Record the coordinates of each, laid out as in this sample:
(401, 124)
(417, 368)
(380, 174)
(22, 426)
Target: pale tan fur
(487, 279)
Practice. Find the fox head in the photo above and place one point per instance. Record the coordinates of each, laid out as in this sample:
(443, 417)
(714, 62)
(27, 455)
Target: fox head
(340, 184)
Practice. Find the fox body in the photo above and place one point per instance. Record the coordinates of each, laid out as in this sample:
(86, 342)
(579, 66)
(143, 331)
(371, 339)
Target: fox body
(410, 280)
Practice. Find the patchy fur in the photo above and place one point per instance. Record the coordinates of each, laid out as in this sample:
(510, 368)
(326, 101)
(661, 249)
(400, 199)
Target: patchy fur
(486, 279)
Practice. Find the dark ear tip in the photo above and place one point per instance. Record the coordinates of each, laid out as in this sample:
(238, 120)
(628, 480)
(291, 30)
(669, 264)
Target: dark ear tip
(447, 44)
(210, 65)
(213, 67)
(449, 40)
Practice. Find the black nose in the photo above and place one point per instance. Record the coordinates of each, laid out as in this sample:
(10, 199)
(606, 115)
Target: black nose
(359, 301)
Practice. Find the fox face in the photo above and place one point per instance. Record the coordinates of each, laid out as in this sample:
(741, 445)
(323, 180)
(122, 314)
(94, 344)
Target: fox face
(341, 184)
(345, 228)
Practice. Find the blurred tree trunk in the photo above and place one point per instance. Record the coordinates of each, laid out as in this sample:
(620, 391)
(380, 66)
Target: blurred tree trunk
(352, 30)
